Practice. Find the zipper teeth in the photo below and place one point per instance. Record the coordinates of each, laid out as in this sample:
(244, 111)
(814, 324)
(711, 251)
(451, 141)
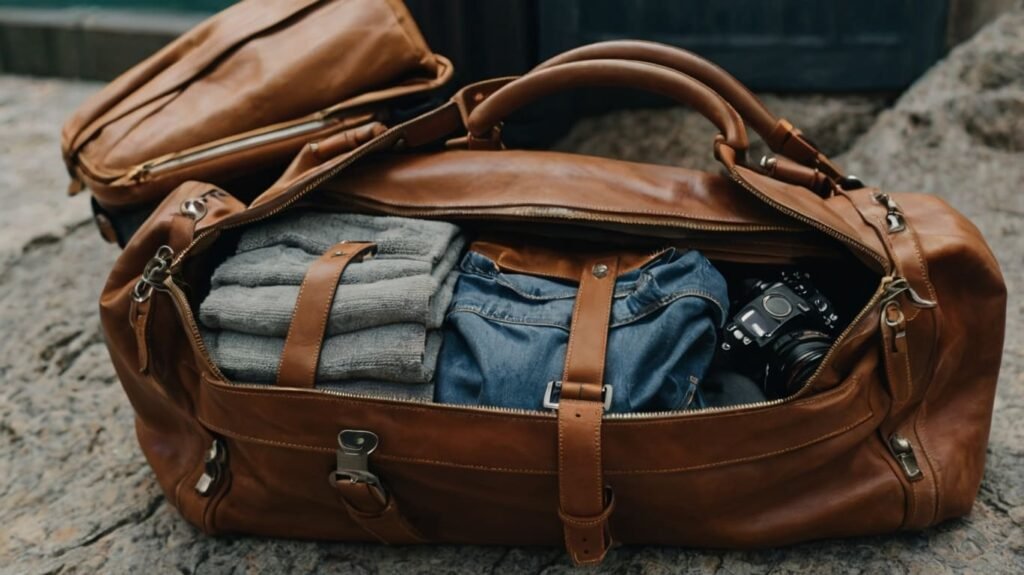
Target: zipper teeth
(349, 159)
(399, 399)
(181, 302)
(797, 395)
(570, 214)
(814, 224)
(163, 165)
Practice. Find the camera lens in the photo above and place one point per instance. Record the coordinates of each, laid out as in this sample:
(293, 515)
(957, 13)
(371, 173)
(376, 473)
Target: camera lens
(796, 357)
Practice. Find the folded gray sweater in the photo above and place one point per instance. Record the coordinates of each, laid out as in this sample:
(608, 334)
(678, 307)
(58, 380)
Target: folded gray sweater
(381, 325)
(401, 353)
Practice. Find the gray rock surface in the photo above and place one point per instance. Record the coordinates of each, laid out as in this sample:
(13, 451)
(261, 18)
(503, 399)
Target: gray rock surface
(77, 497)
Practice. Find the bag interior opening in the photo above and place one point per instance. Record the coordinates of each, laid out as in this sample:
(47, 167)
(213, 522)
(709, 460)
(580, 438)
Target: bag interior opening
(749, 262)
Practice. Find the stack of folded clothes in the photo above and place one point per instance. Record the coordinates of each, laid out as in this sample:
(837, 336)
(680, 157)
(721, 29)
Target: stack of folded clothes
(382, 332)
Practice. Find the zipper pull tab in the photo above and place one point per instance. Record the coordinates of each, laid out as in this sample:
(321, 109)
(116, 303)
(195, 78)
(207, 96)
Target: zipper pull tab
(139, 173)
(354, 449)
(903, 450)
(213, 468)
(154, 274)
(896, 358)
(895, 285)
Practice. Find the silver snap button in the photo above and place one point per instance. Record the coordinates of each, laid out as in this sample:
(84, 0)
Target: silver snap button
(600, 270)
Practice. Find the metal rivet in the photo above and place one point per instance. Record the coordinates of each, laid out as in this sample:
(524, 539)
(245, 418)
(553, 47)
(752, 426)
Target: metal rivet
(600, 270)
(194, 208)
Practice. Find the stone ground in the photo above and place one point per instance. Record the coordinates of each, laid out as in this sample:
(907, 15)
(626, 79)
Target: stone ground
(77, 497)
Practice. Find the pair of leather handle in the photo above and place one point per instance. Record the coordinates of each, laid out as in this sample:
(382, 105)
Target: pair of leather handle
(780, 135)
(736, 94)
(608, 73)
(666, 70)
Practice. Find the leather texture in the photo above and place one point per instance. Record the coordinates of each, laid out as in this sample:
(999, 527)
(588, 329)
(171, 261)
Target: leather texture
(818, 465)
(639, 75)
(245, 90)
(780, 135)
(582, 505)
(305, 339)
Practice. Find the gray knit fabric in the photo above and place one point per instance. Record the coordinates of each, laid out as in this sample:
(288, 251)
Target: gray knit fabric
(403, 353)
(381, 332)
(314, 232)
(267, 309)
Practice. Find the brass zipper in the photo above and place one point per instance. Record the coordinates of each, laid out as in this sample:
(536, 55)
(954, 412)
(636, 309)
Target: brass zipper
(267, 135)
(224, 147)
(552, 213)
(310, 186)
(185, 310)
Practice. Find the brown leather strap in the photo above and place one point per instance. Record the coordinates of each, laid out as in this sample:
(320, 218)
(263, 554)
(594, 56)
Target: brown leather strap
(780, 135)
(611, 73)
(897, 362)
(537, 260)
(301, 353)
(581, 490)
(376, 512)
(782, 168)
(734, 92)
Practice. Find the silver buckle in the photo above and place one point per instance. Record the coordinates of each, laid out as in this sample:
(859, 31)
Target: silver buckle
(551, 403)
(354, 449)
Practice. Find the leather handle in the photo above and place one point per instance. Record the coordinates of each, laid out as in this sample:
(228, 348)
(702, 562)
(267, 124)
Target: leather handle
(609, 73)
(781, 136)
(736, 94)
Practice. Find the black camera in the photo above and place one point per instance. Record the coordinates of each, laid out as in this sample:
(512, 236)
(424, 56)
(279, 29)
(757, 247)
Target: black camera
(780, 334)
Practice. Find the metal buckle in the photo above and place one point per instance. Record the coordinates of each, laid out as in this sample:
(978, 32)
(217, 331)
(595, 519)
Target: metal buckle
(354, 449)
(551, 403)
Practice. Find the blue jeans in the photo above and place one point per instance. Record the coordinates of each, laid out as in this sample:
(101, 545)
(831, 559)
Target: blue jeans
(506, 334)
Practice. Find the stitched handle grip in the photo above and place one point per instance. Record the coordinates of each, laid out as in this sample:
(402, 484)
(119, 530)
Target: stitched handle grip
(781, 136)
(609, 73)
(735, 93)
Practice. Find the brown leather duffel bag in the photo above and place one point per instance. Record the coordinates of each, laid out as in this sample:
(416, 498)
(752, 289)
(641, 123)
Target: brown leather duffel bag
(888, 434)
(240, 94)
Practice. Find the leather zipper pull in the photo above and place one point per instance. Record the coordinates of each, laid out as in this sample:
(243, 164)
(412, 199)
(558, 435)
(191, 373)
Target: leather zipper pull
(139, 319)
(896, 359)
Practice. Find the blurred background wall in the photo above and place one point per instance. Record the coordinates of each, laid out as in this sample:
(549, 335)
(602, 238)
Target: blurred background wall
(781, 45)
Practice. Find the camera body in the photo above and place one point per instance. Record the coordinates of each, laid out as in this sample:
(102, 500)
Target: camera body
(780, 334)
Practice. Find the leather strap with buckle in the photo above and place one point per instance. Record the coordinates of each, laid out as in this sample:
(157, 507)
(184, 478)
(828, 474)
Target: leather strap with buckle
(585, 503)
(306, 333)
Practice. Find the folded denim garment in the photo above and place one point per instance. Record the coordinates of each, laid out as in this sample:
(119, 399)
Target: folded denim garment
(506, 334)
(382, 328)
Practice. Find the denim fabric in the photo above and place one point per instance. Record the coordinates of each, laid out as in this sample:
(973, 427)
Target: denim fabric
(505, 335)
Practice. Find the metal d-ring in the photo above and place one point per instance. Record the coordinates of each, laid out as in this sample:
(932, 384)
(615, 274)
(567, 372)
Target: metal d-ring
(899, 311)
